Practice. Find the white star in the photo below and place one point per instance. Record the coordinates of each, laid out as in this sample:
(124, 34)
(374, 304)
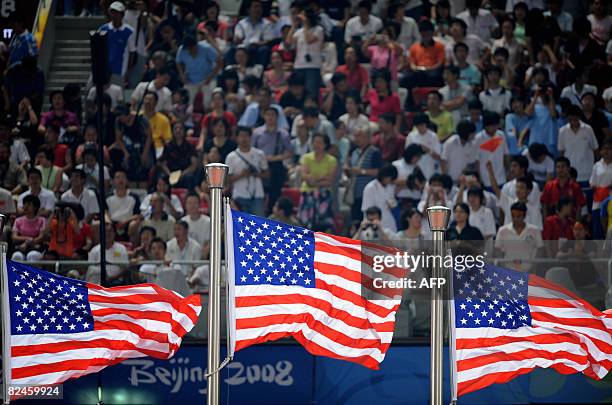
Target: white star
(72, 326)
(269, 279)
(72, 289)
(463, 321)
(250, 271)
(300, 274)
(307, 281)
(17, 298)
(498, 314)
(45, 327)
(275, 272)
(26, 320)
(58, 326)
(256, 278)
(293, 281)
(16, 282)
(39, 320)
(477, 321)
(463, 306)
(240, 219)
(288, 273)
(242, 249)
(265, 225)
(19, 327)
(490, 321)
(503, 323)
(243, 263)
(243, 279)
(484, 313)
(18, 313)
(78, 318)
(65, 319)
(282, 279)
(32, 327)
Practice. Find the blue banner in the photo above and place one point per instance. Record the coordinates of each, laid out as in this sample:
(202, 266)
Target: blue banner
(287, 374)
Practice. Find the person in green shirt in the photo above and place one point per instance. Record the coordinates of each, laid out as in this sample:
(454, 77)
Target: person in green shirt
(318, 175)
(443, 119)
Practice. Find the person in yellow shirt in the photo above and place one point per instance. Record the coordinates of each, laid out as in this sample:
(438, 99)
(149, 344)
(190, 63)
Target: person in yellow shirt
(443, 119)
(318, 174)
(161, 131)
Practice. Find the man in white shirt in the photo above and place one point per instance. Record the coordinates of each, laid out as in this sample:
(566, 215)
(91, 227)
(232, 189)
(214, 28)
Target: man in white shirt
(578, 143)
(459, 150)
(579, 88)
(199, 224)
(380, 193)
(480, 22)
(158, 86)
(123, 207)
(115, 252)
(455, 94)
(519, 167)
(523, 187)
(255, 32)
(422, 135)
(114, 91)
(519, 240)
(183, 248)
(364, 25)
(492, 146)
(495, 98)
(46, 197)
(600, 181)
(80, 195)
(247, 167)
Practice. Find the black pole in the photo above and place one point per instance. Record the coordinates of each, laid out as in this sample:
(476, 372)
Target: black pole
(101, 76)
(101, 190)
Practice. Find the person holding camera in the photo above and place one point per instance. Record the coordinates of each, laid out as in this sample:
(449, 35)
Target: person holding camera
(308, 44)
(371, 228)
(380, 193)
(247, 167)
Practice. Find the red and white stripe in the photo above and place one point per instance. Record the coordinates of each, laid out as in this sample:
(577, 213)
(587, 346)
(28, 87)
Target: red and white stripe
(129, 322)
(567, 334)
(333, 319)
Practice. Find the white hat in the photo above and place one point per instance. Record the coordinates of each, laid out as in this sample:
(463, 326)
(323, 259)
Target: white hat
(117, 6)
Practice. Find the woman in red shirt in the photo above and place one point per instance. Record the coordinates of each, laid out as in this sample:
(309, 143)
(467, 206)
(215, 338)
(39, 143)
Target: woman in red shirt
(381, 99)
(217, 103)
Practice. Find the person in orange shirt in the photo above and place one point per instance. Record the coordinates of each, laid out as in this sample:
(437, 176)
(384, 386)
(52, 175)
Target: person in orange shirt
(426, 60)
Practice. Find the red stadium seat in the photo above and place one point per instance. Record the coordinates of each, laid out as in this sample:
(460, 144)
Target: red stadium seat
(193, 141)
(408, 118)
(293, 194)
(181, 193)
(204, 207)
(419, 95)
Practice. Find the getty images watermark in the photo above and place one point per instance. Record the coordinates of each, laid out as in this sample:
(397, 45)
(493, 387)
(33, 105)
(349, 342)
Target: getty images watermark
(403, 270)
(7, 33)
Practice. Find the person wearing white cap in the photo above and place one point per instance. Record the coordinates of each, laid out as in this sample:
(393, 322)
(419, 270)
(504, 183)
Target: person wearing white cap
(120, 40)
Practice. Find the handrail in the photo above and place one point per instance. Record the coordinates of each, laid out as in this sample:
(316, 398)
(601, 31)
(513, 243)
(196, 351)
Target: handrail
(40, 22)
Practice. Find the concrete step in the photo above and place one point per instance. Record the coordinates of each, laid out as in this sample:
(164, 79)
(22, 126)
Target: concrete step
(76, 76)
(85, 60)
(65, 67)
(67, 51)
(62, 43)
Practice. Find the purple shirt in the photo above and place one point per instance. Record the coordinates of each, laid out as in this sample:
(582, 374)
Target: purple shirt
(271, 143)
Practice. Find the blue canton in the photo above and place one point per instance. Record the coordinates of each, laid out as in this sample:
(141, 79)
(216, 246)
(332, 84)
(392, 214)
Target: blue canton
(42, 302)
(491, 297)
(268, 252)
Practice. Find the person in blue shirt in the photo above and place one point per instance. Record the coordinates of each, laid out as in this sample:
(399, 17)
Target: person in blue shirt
(543, 114)
(517, 122)
(23, 42)
(120, 41)
(253, 115)
(198, 64)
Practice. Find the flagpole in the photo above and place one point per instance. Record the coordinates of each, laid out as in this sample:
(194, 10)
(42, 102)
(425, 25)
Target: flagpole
(438, 217)
(4, 318)
(216, 174)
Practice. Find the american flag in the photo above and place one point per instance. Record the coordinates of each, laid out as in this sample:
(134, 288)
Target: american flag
(62, 328)
(289, 281)
(507, 323)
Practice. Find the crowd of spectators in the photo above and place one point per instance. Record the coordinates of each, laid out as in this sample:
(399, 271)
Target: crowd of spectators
(347, 117)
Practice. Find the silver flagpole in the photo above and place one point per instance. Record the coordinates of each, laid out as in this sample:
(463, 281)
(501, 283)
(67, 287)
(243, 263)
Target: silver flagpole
(4, 317)
(216, 174)
(438, 217)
